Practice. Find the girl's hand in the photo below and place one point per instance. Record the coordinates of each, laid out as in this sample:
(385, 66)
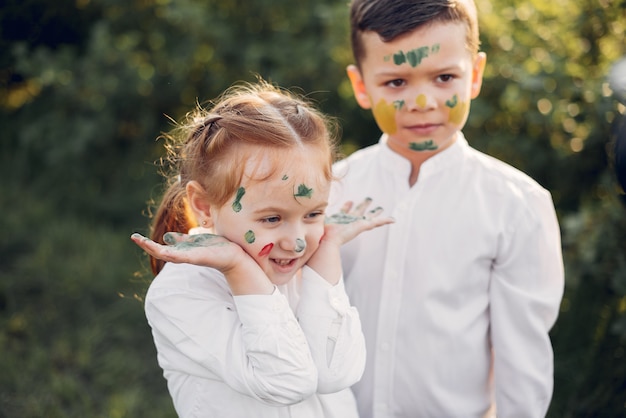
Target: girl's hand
(243, 274)
(339, 229)
(347, 224)
(201, 249)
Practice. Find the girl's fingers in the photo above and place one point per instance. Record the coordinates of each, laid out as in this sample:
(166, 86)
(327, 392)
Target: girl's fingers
(360, 209)
(346, 207)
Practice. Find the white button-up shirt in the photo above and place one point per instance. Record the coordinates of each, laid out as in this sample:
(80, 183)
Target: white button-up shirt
(294, 353)
(457, 296)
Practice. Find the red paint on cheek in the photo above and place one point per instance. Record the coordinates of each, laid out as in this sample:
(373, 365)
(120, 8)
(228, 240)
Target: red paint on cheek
(266, 250)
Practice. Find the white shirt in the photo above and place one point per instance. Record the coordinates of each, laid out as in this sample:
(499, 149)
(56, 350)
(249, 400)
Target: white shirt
(471, 266)
(251, 356)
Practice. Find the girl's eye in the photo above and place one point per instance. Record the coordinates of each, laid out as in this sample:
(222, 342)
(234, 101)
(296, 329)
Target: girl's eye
(314, 215)
(395, 83)
(445, 78)
(271, 219)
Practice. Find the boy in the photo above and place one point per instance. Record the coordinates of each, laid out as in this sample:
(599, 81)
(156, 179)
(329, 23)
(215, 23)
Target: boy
(457, 297)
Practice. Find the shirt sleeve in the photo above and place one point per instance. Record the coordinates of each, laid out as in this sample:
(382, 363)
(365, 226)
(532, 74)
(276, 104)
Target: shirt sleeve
(253, 343)
(333, 330)
(525, 295)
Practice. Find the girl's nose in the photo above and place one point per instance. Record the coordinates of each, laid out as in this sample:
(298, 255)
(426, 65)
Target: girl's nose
(293, 240)
(297, 245)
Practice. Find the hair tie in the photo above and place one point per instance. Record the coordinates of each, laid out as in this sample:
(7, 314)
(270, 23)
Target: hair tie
(206, 126)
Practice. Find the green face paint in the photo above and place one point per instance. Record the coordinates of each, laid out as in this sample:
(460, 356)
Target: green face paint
(423, 146)
(452, 102)
(413, 57)
(399, 58)
(249, 236)
(237, 203)
(385, 115)
(285, 177)
(303, 191)
(398, 104)
(300, 245)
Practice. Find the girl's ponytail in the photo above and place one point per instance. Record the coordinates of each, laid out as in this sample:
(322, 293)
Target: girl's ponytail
(171, 216)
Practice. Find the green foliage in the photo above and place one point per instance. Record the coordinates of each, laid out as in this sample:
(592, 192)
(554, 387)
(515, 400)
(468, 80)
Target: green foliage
(86, 87)
(73, 337)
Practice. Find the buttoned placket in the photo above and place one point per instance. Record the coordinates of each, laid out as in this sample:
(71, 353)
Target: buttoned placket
(390, 303)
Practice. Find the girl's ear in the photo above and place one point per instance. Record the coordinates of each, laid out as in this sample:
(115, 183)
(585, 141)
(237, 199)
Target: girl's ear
(358, 86)
(477, 73)
(198, 203)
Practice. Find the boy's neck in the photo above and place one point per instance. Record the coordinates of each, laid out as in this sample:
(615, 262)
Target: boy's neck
(417, 158)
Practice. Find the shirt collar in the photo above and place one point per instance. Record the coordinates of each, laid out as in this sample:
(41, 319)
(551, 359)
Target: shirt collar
(441, 161)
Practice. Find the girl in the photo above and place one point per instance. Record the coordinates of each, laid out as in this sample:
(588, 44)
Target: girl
(250, 317)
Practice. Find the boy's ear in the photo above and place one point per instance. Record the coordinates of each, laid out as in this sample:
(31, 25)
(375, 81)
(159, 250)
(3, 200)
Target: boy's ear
(198, 203)
(358, 86)
(477, 73)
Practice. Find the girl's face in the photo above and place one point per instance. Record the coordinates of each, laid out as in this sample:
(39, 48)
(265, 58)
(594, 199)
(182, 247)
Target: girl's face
(419, 86)
(278, 221)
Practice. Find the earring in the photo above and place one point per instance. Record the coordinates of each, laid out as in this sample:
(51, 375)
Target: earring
(204, 222)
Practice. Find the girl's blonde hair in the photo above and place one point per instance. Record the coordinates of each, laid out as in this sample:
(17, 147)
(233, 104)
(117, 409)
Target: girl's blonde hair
(212, 145)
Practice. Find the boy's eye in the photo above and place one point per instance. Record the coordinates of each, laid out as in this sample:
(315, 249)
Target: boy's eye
(395, 83)
(445, 78)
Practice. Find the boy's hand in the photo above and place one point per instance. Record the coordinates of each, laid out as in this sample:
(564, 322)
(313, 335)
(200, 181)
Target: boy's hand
(347, 224)
(201, 249)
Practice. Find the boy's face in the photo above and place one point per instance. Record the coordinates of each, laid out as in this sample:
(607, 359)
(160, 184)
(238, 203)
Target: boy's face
(278, 221)
(419, 86)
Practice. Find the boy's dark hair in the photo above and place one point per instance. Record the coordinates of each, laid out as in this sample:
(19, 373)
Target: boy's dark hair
(392, 18)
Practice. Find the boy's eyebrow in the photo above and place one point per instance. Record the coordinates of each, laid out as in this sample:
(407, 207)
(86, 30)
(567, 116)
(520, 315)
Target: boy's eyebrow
(405, 72)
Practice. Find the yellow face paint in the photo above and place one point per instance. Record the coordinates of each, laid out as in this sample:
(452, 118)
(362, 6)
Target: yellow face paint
(385, 115)
(458, 112)
(421, 101)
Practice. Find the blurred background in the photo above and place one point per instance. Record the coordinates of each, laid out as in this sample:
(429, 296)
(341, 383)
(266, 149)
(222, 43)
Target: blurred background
(87, 86)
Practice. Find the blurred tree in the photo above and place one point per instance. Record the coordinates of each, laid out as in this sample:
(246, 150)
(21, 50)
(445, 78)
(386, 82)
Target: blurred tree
(86, 86)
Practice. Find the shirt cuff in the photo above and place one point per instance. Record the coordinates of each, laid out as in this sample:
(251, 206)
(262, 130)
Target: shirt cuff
(254, 310)
(320, 298)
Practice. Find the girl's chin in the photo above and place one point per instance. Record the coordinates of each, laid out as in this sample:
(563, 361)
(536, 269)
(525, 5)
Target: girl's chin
(280, 279)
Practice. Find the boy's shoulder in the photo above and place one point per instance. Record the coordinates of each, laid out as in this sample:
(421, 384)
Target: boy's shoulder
(499, 173)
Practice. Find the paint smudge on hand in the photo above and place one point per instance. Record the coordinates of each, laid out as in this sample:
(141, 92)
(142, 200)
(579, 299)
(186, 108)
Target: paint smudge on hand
(266, 250)
(428, 145)
(249, 236)
(343, 218)
(300, 245)
(303, 191)
(237, 203)
(192, 241)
